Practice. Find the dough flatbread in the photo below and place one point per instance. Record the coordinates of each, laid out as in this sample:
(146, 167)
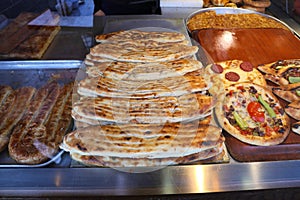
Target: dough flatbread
(132, 53)
(142, 71)
(172, 86)
(105, 161)
(137, 35)
(143, 140)
(14, 113)
(153, 110)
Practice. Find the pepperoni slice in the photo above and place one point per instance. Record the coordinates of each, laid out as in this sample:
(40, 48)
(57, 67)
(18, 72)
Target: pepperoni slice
(232, 76)
(217, 68)
(246, 66)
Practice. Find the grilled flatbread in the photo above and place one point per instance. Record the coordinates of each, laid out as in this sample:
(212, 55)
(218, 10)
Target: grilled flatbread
(7, 97)
(137, 35)
(57, 125)
(37, 136)
(296, 127)
(287, 95)
(5, 90)
(104, 161)
(293, 109)
(14, 113)
(31, 127)
(94, 60)
(148, 43)
(153, 110)
(133, 53)
(82, 122)
(279, 67)
(142, 71)
(282, 71)
(172, 86)
(143, 140)
(79, 118)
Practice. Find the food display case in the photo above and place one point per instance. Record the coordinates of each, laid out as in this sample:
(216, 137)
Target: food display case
(266, 169)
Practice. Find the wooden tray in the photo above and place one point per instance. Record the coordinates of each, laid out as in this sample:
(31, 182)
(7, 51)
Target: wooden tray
(258, 46)
(288, 150)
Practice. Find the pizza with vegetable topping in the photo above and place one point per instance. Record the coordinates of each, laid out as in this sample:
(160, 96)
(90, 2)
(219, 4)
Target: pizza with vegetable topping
(252, 114)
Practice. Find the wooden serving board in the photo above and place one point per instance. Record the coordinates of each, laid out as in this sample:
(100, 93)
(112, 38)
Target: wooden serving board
(258, 46)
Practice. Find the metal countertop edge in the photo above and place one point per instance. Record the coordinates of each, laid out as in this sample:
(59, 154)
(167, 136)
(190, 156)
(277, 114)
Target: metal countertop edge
(189, 179)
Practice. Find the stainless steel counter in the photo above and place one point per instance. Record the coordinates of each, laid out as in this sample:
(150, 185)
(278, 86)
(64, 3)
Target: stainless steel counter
(169, 180)
(188, 179)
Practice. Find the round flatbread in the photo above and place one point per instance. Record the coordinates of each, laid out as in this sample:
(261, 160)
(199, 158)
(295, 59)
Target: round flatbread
(252, 114)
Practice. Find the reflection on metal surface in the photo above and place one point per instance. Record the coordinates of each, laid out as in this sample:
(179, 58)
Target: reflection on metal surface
(255, 173)
(200, 179)
(226, 40)
(58, 180)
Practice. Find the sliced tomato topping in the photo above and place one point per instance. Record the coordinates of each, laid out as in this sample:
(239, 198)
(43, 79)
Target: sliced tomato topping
(246, 132)
(268, 131)
(240, 87)
(230, 93)
(255, 111)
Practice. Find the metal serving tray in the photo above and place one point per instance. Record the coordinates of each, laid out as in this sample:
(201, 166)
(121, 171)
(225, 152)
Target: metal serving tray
(37, 73)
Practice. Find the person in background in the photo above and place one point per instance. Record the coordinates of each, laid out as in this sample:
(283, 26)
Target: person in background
(126, 7)
(297, 7)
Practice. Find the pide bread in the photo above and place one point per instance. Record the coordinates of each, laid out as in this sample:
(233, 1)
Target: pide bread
(143, 140)
(140, 36)
(147, 162)
(152, 110)
(141, 71)
(44, 120)
(15, 105)
(133, 53)
(172, 86)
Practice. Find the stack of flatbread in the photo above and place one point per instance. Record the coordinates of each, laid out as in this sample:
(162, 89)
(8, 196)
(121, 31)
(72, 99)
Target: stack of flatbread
(141, 105)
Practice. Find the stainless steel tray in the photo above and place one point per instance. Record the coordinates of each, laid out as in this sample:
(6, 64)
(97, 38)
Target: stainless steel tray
(228, 10)
(36, 73)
